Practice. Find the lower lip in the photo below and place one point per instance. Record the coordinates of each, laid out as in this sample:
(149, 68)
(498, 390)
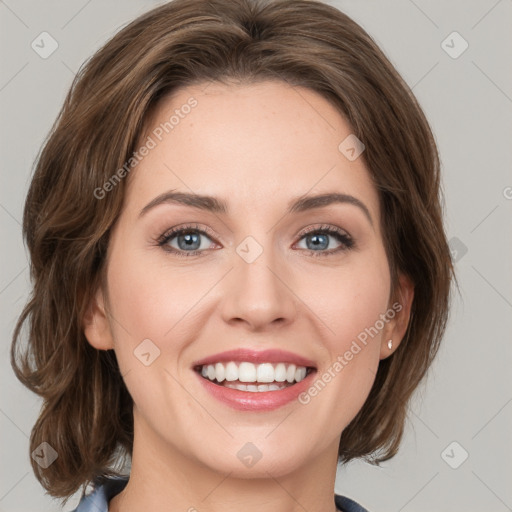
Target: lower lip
(258, 400)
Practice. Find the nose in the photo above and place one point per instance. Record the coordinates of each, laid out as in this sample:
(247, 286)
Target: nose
(259, 293)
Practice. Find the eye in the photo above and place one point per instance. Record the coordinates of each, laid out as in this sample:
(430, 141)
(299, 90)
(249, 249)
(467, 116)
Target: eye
(317, 240)
(187, 240)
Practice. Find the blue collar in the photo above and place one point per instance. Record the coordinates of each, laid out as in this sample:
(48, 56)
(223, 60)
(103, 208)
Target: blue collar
(105, 489)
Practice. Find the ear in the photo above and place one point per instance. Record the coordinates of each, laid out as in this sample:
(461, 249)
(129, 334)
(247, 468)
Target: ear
(96, 325)
(395, 328)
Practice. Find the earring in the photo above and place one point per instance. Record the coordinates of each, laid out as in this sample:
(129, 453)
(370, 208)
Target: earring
(390, 344)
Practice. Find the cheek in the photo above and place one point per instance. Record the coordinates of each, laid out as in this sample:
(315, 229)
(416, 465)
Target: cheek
(147, 298)
(143, 307)
(351, 307)
(351, 299)
(148, 302)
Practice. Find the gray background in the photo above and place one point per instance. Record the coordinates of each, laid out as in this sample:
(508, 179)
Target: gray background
(468, 101)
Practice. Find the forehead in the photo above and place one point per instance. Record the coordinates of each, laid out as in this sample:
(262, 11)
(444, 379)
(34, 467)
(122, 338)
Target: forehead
(255, 146)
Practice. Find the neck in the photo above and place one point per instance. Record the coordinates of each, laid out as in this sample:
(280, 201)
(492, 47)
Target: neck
(164, 479)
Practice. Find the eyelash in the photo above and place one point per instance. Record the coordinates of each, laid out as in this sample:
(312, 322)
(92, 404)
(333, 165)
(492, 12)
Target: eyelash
(346, 241)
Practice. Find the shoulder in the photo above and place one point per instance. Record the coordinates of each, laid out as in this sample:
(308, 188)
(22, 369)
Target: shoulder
(345, 504)
(102, 492)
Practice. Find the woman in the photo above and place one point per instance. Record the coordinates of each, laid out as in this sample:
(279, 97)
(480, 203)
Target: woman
(239, 263)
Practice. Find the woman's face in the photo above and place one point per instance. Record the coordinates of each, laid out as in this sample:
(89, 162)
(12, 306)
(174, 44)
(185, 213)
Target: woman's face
(251, 271)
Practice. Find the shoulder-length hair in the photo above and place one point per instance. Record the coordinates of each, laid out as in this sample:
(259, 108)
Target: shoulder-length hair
(87, 411)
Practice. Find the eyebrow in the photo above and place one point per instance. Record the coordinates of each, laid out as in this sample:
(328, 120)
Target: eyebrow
(216, 205)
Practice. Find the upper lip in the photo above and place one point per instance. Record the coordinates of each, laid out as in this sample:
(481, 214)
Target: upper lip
(256, 356)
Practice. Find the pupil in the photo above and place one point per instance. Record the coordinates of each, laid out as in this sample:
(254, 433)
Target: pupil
(191, 241)
(316, 243)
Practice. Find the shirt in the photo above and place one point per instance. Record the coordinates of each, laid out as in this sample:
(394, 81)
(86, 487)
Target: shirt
(97, 500)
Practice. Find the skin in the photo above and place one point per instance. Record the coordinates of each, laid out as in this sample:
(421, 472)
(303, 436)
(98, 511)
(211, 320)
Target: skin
(257, 147)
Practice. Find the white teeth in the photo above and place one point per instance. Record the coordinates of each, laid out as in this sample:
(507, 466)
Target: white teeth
(280, 373)
(258, 388)
(300, 373)
(231, 371)
(245, 372)
(265, 373)
(220, 372)
(290, 373)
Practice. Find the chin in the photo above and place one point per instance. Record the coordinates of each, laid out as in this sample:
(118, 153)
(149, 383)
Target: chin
(252, 459)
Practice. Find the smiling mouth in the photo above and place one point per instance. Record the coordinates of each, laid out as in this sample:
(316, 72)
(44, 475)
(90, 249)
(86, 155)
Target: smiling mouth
(246, 376)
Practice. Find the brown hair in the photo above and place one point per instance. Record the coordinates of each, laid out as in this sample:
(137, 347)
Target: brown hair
(87, 411)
